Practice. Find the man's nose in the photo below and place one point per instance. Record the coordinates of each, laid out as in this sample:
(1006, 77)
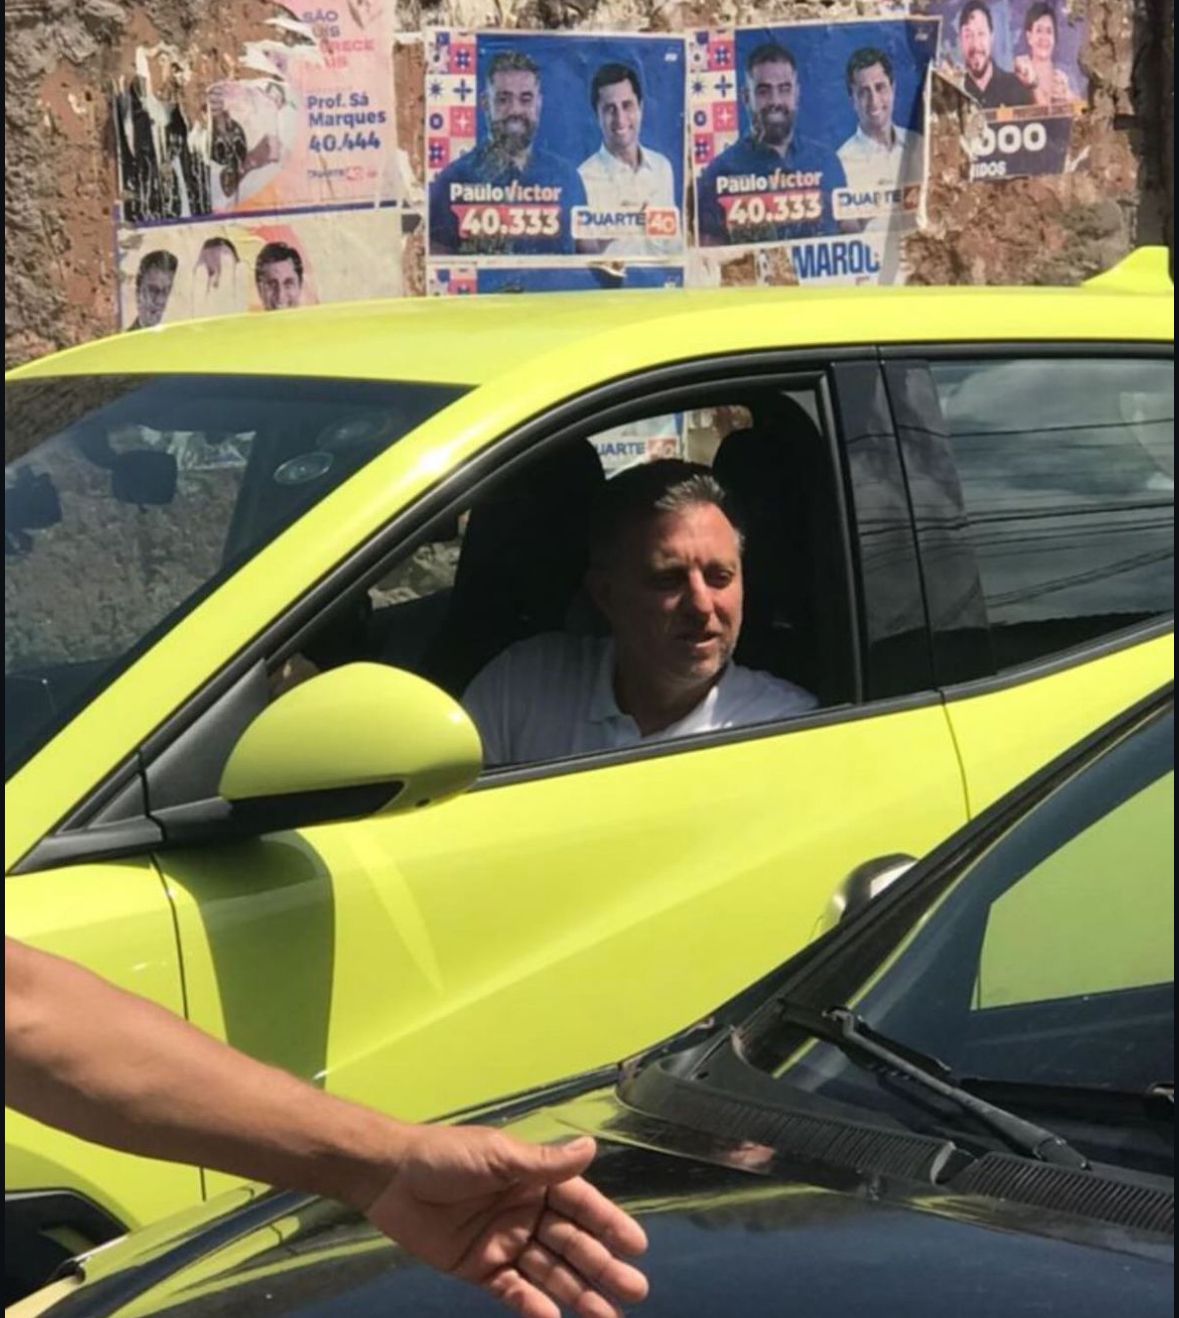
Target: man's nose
(697, 596)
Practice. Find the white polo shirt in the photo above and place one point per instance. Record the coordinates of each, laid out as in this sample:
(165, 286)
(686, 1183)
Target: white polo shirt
(553, 695)
(870, 164)
(612, 185)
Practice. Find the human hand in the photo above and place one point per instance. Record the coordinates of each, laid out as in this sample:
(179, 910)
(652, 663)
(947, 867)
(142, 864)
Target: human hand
(1024, 71)
(517, 1219)
(1061, 87)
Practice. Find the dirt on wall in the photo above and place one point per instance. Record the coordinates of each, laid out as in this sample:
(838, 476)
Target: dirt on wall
(62, 57)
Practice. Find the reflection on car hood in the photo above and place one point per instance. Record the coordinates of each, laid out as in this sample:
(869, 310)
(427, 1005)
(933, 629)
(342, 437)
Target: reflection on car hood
(731, 1227)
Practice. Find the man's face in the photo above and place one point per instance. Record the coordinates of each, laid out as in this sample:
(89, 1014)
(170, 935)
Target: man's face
(872, 96)
(513, 107)
(279, 285)
(771, 92)
(672, 594)
(151, 297)
(975, 35)
(620, 116)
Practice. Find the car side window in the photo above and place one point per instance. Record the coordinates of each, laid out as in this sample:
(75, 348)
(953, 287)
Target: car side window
(509, 573)
(1067, 477)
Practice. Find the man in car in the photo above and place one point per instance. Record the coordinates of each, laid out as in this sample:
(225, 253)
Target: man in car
(508, 196)
(665, 573)
(278, 274)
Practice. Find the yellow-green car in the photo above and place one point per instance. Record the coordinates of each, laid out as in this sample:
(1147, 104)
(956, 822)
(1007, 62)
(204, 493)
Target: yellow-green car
(247, 558)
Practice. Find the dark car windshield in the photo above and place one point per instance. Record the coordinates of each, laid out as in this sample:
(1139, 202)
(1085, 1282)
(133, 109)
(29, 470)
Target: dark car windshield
(1045, 970)
(128, 499)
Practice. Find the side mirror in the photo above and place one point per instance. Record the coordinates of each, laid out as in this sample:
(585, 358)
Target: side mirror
(358, 740)
(864, 883)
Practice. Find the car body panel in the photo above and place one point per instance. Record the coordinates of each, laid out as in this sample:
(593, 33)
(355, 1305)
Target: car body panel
(1008, 729)
(376, 970)
(720, 1234)
(114, 918)
(751, 1183)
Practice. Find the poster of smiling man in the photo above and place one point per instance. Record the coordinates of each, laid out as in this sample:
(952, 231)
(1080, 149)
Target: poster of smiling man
(555, 145)
(1020, 61)
(809, 131)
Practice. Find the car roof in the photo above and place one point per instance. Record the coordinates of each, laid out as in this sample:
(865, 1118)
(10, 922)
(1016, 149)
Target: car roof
(470, 341)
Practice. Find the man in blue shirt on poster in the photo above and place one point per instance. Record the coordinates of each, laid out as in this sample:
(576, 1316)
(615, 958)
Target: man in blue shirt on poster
(507, 197)
(772, 184)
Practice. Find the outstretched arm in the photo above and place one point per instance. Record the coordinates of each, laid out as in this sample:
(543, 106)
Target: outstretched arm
(111, 1067)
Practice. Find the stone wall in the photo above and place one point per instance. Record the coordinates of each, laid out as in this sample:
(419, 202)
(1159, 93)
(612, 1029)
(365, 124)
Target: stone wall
(62, 57)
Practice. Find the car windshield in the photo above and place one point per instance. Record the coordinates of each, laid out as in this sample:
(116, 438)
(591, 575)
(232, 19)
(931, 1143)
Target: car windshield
(1042, 978)
(128, 499)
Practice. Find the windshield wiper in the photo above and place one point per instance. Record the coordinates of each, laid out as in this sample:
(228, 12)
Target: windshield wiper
(861, 1044)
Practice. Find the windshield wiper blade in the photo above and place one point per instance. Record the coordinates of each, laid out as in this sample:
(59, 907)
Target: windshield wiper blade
(863, 1045)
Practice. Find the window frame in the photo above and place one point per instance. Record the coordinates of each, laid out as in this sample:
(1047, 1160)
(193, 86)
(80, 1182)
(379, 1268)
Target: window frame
(944, 524)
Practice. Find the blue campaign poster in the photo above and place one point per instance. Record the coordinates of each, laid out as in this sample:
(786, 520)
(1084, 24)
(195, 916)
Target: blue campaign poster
(808, 130)
(555, 144)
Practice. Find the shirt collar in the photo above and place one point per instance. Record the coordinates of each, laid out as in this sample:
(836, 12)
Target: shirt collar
(603, 704)
(871, 144)
(612, 165)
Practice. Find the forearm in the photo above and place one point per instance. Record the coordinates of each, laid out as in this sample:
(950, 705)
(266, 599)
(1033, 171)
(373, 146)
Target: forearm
(108, 1066)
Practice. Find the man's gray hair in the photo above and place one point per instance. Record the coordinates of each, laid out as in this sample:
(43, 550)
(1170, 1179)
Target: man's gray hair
(648, 490)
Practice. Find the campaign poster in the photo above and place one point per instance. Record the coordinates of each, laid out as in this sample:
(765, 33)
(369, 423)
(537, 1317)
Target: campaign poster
(648, 439)
(217, 267)
(557, 145)
(318, 125)
(468, 279)
(850, 259)
(811, 131)
(1019, 61)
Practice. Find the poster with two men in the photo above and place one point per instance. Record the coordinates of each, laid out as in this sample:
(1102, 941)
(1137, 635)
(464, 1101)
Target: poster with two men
(812, 135)
(559, 155)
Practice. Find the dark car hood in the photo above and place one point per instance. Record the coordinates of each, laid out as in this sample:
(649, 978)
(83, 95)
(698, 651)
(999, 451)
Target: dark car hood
(730, 1233)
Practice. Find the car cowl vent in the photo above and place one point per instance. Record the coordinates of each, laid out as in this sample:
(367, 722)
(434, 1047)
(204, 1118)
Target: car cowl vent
(1085, 1194)
(809, 1138)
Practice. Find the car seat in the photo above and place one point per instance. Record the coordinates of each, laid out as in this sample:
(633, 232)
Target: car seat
(796, 617)
(523, 557)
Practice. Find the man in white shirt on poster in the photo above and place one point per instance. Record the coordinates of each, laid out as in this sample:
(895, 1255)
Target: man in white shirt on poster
(878, 155)
(623, 175)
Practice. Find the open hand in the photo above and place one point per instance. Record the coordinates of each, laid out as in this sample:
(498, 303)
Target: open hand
(517, 1219)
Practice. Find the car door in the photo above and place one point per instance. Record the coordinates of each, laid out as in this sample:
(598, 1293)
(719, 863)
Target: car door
(560, 916)
(1042, 481)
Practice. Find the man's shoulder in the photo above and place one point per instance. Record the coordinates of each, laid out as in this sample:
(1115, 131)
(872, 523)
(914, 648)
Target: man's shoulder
(737, 155)
(549, 652)
(544, 161)
(656, 159)
(462, 168)
(811, 150)
(751, 695)
(594, 169)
